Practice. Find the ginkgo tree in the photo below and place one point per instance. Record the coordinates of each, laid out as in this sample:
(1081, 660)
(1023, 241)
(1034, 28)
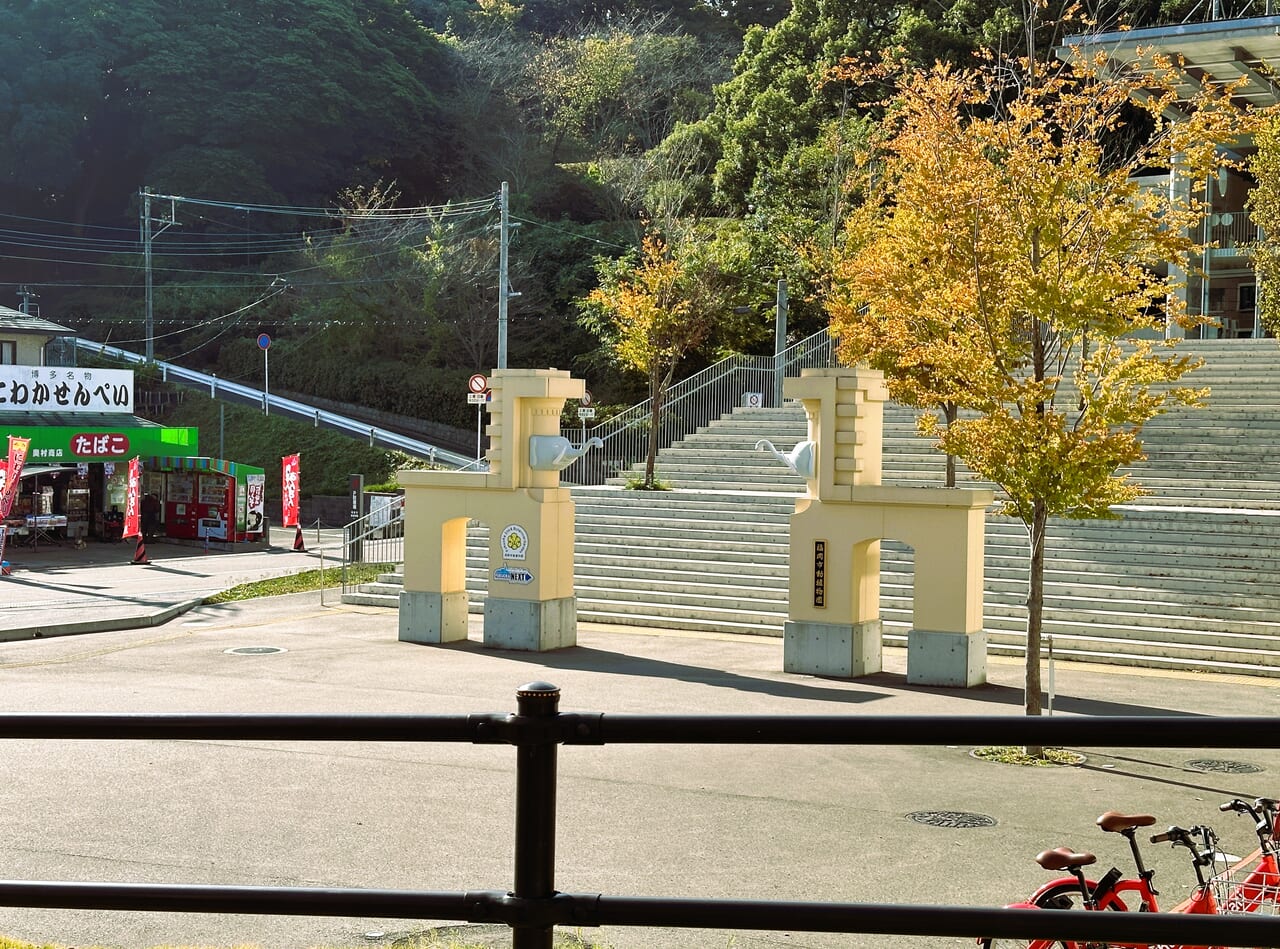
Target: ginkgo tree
(1014, 276)
(651, 313)
(1264, 205)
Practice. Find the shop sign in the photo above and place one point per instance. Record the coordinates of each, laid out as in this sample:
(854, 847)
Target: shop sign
(66, 445)
(65, 389)
(99, 445)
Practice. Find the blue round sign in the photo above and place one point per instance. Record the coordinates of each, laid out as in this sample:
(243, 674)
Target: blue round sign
(264, 341)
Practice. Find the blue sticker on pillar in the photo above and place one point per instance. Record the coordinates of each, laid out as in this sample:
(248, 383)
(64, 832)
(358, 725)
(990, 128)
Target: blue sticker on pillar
(513, 575)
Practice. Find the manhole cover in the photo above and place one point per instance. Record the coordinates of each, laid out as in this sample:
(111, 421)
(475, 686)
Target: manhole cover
(964, 819)
(253, 650)
(1223, 766)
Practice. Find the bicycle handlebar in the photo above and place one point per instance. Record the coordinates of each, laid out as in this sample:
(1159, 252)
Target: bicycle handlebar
(1263, 823)
(1175, 835)
(1239, 807)
(1201, 835)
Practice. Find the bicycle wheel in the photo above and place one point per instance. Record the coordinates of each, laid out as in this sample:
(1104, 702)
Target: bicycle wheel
(1064, 896)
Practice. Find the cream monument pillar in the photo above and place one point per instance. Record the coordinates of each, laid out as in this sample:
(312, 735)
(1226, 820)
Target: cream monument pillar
(531, 603)
(833, 625)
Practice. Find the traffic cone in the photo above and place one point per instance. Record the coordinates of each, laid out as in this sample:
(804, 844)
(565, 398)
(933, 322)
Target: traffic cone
(140, 553)
(298, 545)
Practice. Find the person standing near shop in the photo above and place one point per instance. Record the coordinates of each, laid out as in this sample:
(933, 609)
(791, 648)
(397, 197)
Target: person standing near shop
(150, 515)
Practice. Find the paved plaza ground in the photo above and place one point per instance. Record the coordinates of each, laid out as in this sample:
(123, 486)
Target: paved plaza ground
(785, 822)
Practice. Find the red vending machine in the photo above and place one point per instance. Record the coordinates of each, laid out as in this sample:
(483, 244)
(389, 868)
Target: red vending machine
(215, 502)
(179, 506)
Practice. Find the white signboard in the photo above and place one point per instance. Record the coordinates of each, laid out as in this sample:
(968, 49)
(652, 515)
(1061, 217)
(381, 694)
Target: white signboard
(65, 389)
(514, 542)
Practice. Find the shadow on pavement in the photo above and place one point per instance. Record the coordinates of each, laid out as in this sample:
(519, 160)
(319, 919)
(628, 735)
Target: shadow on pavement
(588, 659)
(599, 660)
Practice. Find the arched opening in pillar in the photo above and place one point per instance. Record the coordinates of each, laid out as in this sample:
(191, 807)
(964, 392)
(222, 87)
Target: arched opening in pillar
(477, 564)
(897, 591)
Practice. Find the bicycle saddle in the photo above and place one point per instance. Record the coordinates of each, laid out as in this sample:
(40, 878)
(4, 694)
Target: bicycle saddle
(1063, 858)
(1113, 822)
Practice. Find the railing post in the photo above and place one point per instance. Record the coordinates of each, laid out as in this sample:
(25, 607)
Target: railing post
(535, 870)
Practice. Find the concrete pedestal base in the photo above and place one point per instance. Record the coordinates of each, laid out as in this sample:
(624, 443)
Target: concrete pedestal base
(947, 659)
(531, 625)
(432, 617)
(846, 650)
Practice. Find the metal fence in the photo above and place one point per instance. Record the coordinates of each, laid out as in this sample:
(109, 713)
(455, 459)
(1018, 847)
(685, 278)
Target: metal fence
(229, 391)
(690, 405)
(533, 907)
(377, 538)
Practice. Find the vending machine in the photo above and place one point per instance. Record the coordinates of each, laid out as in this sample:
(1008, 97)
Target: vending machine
(215, 505)
(179, 504)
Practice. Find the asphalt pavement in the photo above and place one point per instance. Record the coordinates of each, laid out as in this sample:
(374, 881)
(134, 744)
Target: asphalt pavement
(57, 589)
(900, 824)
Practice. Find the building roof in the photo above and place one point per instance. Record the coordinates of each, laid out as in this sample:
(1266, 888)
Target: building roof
(15, 321)
(1217, 51)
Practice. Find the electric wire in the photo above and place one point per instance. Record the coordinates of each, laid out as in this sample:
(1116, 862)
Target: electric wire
(566, 231)
(275, 289)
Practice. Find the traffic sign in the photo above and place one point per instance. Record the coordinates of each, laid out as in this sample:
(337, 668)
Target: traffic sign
(264, 342)
(586, 398)
(477, 398)
(585, 413)
(477, 383)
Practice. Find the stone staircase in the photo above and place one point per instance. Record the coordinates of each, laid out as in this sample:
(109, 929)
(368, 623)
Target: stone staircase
(1185, 579)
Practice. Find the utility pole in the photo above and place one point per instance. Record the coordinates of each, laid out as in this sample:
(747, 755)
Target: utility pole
(504, 278)
(780, 341)
(147, 237)
(27, 295)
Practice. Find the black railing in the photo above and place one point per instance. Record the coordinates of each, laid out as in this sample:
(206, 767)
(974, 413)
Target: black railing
(533, 907)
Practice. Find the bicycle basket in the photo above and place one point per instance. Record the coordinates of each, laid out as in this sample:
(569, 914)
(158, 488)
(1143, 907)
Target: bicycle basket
(1251, 886)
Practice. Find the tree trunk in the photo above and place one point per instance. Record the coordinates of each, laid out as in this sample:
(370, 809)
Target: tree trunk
(1035, 612)
(658, 386)
(655, 412)
(950, 411)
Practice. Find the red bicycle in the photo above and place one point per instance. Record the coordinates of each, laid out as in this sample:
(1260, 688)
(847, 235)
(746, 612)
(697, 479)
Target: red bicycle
(1251, 885)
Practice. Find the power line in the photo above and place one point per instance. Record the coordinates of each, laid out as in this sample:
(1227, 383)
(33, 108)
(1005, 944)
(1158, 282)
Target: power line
(581, 237)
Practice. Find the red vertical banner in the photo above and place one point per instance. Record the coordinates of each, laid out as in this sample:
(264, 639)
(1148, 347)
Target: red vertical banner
(290, 482)
(132, 500)
(4, 468)
(13, 473)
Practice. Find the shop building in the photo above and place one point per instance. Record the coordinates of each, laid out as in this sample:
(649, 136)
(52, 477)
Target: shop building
(83, 434)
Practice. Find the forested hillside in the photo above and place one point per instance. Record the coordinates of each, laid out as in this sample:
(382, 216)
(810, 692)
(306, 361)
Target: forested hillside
(292, 135)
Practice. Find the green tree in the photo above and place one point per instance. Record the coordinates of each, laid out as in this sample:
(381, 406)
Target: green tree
(1016, 271)
(651, 313)
(1264, 204)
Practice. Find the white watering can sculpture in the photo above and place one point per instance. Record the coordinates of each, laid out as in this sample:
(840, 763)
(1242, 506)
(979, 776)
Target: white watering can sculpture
(800, 459)
(555, 452)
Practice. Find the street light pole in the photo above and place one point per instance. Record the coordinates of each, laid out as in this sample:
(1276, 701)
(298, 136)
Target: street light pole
(780, 341)
(503, 286)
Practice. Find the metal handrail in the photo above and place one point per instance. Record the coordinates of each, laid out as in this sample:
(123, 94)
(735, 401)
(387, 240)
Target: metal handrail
(691, 404)
(299, 411)
(376, 537)
(533, 906)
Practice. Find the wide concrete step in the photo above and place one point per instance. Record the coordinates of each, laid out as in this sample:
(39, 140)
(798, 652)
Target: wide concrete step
(359, 598)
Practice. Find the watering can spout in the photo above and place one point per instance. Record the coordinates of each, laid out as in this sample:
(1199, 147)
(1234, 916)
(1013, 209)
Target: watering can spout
(800, 459)
(555, 452)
